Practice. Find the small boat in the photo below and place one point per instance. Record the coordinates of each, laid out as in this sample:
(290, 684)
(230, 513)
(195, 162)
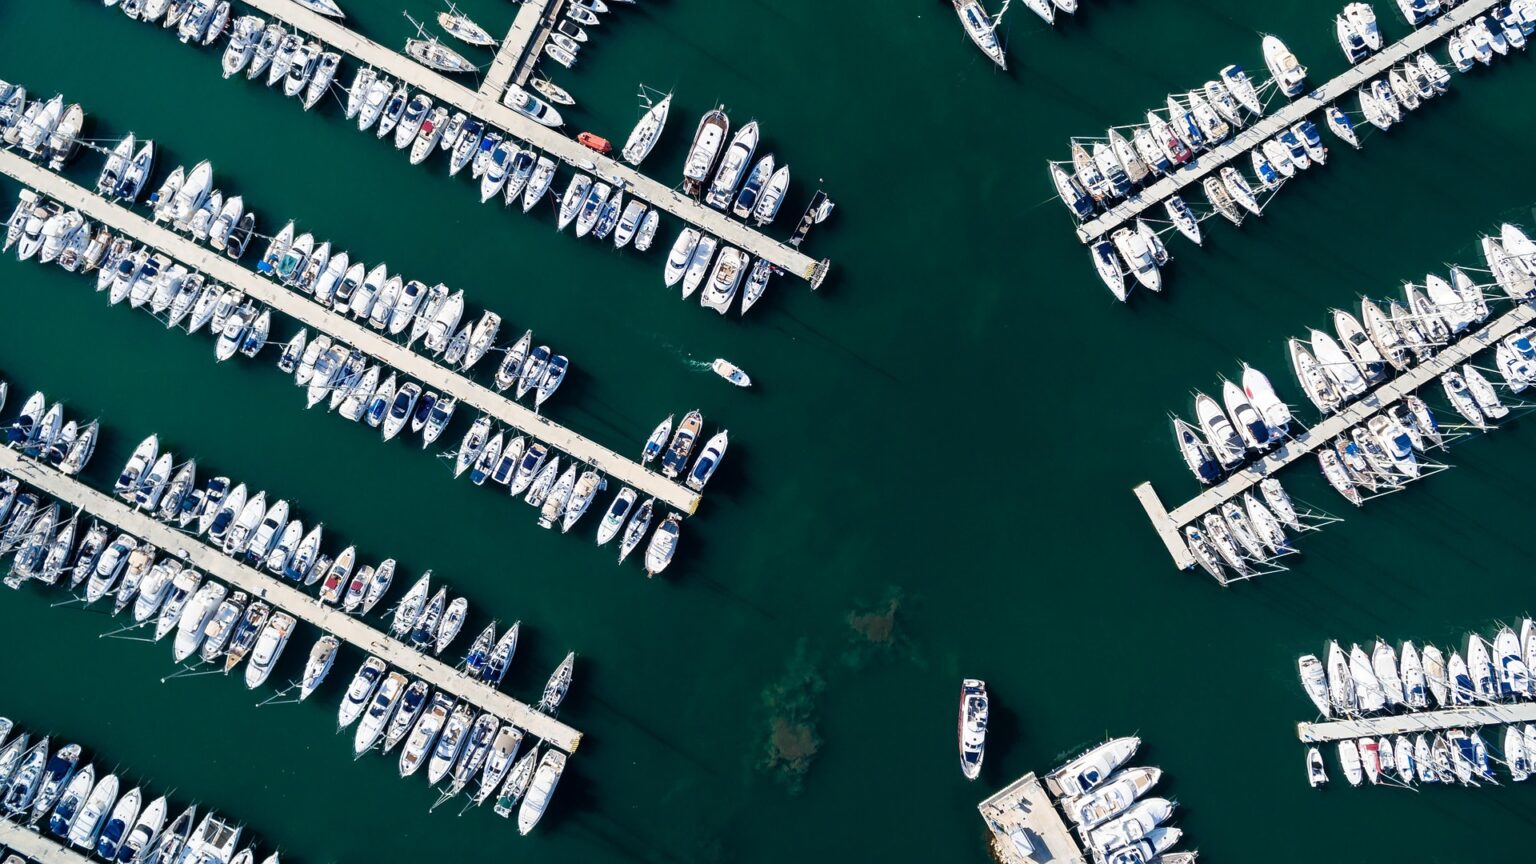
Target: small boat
(704, 467)
(553, 92)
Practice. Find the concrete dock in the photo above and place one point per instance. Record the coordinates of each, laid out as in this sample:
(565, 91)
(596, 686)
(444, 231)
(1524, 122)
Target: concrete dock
(214, 563)
(1267, 127)
(1418, 721)
(1026, 826)
(432, 375)
(33, 846)
(489, 108)
(1028, 829)
(1169, 524)
(528, 23)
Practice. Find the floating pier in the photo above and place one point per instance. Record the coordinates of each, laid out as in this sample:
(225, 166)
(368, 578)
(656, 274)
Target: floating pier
(216, 564)
(1169, 524)
(1028, 829)
(1493, 714)
(489, 108)
(33, 846)
(432, 375)
(1267, 127)
(530, 26)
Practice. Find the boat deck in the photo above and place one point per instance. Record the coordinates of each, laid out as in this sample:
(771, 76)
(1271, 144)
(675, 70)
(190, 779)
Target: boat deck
(1267, 127)
(299, 307)
(214, 563)
(1416, 722)
(551, 141)
(526, 27)
(33, 846)
(1169, 524)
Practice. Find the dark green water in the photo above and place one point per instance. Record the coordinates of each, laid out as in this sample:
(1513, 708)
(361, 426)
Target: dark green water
(947, 432)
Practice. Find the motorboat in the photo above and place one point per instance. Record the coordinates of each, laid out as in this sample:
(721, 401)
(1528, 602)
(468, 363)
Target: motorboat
(1288, 72)
(708, 140)
(663, 545)
(1219, 432)
(268, 647)
(540, 790)
(1358, 345)
(532, 107)
(1251, 427)
(1337, 365)
(973, 726)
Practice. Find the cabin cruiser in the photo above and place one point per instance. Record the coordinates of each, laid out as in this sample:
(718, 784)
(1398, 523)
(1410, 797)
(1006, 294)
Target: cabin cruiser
(1288, 72)
(973, 726)
(532, 107)
(733, 166)
(707, 143)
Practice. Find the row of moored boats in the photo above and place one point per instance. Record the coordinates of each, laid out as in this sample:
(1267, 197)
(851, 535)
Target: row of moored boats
(221, 628)
(1411, 678)
(87, 807)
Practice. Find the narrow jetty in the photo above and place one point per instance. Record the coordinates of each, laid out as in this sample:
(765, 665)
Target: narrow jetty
(551, 141)
(1468, 717)
(1267, 127)
(339, 327)
(34, 846)
(530, 27)
(216, 564)
(1170, 523)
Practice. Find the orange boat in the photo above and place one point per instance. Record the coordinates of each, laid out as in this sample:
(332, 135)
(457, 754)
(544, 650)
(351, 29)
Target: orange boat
(596, 142)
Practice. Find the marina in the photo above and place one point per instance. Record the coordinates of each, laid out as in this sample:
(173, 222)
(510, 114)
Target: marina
(307, 312)
(1169, 523)
(1105, 223)
(756, 686)
(328, 619)
(736, 233)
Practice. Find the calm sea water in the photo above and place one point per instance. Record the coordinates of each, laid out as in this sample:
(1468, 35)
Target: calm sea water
(930, 481)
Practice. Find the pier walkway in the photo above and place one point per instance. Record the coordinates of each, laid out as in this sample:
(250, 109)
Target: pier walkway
(432, 375)
(280, 594)
(1168, 524)
(1267, 127)
(33, 846)
(551, 141)
(530, 21)
(1467, 717)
